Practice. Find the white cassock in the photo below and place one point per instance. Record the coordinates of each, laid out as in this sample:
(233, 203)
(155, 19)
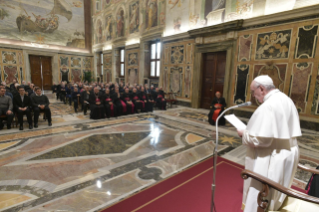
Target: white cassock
(272, 148)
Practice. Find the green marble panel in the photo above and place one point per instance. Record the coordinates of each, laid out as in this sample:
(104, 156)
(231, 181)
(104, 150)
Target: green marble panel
(96, 145)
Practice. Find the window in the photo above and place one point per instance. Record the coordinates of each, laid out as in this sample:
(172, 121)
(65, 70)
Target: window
(122, 63)
(155, 59)
(97, 4)
(102, 68)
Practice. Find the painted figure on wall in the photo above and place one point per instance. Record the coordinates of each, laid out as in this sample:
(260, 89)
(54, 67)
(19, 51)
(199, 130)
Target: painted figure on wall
(10, 74)
(120, 23)
(107, 3)
(132, 59)
(177, 24)
(273, 45)
(9, 57)
(108, 28)
(151, 13)
(99, 31)
(76, 73)
(177, 54)
(50, 22)
(133, 78)
(134, 17)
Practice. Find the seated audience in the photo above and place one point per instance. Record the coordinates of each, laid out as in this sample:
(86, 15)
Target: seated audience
(119, 103)
(58, 90)
(76, 98)
(62, 93)
(96, 105)
(148, 101)
(110, 108)
(12, 86)
(126, 98)
(31, 92)
(8, 93)
(21, 105)
(138, 104)
(6, 108)
(85, 98)
(160, 99)
(54, 88)
(40, 103)
(217, 107)
(14, 90)
(68, 91)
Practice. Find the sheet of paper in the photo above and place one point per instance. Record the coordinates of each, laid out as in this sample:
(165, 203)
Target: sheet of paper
(235, 122)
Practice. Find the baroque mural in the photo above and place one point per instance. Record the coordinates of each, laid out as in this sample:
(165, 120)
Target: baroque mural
(273, 45)
(57, 22)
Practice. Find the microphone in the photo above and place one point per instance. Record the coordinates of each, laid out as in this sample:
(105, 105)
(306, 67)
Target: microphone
(215, 152)
(243, 104)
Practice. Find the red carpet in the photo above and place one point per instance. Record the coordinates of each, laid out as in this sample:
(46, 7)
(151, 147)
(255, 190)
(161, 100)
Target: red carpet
(190, 191)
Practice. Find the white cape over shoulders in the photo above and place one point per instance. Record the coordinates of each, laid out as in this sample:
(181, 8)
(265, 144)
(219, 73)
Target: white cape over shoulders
(273, 151)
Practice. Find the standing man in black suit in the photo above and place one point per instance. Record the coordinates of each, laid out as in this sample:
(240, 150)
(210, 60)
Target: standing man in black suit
(21, 105)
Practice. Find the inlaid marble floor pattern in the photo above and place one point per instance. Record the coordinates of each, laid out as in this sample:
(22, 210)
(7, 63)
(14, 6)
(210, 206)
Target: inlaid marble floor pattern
(85, 165)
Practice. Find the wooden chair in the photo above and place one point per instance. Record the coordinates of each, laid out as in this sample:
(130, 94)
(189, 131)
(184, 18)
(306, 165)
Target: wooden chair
(291, 194)
(170, 99)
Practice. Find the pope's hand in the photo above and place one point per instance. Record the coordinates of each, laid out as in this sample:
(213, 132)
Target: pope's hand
(240, 133)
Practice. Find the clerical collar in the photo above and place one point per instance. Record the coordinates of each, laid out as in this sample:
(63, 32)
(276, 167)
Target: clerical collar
(270, 93)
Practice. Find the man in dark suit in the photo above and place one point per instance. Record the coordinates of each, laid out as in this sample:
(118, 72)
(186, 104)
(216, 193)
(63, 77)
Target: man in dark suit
(21, 105)
(12, 86)
(40, 102)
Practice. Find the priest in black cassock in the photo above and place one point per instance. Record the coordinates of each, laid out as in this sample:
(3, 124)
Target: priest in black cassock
(160, 99)
(138, 104)
(119, 103)
(110, 108)
(148, 100)
(217, 107)
(96, 105)
(126, 98)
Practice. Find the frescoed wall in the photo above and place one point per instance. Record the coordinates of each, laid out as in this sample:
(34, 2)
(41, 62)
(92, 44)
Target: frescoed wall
(73, 68)
(55, 22)
(288, 54)
(177, 71)
(107, 67)
(12, 66)
(132, 66)
(115, 20)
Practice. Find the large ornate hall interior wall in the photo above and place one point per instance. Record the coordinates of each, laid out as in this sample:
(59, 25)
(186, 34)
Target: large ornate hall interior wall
(274, 37)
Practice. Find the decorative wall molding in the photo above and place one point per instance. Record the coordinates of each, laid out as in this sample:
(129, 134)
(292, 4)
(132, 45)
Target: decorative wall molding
(217, 29)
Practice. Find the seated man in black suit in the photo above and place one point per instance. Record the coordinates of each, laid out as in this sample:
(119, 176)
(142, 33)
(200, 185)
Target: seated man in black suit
(40, 102)
(21, 105)
(5, 108)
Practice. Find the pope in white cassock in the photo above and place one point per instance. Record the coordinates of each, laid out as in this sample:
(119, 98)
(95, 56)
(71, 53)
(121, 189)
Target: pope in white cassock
(271, 140)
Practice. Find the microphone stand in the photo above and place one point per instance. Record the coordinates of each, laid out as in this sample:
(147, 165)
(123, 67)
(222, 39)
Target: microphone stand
(215, 157)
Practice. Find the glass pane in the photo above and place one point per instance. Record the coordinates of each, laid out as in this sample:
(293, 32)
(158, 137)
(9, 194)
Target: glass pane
(158, 68)
(153, 69)
(153, 51)
(122, 55)
(158, 50)
(122, 69)
(98, 5)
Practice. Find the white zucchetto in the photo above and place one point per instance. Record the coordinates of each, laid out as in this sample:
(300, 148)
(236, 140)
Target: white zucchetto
(264, 80)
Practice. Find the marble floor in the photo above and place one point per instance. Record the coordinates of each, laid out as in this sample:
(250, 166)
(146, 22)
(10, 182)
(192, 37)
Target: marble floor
(80, 164)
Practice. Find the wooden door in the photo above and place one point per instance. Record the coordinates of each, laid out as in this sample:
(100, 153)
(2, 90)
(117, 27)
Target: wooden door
(35, 67)
(213, 76)
(46, 72)
(36, 78)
